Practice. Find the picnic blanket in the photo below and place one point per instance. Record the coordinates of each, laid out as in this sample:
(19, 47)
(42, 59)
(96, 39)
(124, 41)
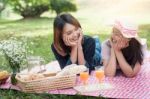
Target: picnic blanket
(136, 87)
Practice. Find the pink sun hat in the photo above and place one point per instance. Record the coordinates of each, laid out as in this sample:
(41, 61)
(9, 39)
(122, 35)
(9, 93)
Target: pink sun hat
(127, 27)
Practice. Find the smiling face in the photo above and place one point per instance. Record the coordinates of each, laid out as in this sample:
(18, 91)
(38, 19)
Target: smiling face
(65, 29)
(71, 32)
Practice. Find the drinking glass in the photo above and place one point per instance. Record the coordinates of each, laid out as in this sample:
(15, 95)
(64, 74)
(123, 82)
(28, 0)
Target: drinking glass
(84, 76)
(99, 74)
(35, 62)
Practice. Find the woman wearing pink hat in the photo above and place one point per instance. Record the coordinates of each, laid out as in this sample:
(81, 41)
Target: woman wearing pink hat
(122, 51)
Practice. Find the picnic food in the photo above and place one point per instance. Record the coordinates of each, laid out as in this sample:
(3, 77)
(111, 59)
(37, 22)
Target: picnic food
(3, 75)
(49, 74)
(41, 82)
(36, 76)
(72, 69)
(40, 85)
(30, 77)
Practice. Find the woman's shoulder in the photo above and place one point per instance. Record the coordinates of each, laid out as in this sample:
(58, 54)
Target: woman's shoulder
(106, 43)
(88, 38)
(88, 42)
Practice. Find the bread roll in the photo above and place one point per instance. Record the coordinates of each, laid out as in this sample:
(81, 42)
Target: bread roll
(31, 77)
(3, 75)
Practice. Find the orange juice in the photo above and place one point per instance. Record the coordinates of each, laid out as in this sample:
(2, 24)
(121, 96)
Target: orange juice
(84, 76)
(99, 74)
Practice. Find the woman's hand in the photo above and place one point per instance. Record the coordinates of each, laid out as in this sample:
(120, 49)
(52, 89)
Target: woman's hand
(113, 44)
(119, 43)
(80, 37)
(122, 43)
(70, 42)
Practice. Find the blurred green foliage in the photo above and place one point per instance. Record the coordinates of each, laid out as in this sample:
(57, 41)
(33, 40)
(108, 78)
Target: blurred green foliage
(60, 6)
(34, 8)
(2, 5)
(29, 8)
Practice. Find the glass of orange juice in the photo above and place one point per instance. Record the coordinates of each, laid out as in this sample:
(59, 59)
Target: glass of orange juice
(84, 76)
(99, 74)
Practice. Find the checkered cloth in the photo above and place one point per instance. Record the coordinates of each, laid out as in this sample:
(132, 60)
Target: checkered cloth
(137, 87)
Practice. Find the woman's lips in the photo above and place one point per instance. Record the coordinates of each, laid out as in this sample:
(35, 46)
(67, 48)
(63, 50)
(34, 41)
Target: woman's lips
(75, 39)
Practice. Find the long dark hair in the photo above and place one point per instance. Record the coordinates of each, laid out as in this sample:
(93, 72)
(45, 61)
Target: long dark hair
(59, 23)
(133, 53)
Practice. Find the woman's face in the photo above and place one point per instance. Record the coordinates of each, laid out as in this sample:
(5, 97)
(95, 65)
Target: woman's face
(116, 35)
(118, 38)
(71, 32)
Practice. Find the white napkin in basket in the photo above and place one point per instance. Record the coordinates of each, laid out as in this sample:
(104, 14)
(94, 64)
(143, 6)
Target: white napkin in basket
(72, 69)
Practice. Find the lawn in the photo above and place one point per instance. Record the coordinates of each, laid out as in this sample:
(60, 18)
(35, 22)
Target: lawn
(12, 94)
(40, 36)
(39, 33)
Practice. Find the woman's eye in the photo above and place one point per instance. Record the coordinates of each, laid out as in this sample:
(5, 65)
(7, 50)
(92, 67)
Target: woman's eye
(68, 33)
(76, 29)
(116, 33)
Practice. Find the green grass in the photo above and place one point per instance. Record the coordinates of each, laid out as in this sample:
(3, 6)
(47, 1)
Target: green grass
(40, 36)
(39, 33)
(12, 94)
(144, 31)
(92, 17)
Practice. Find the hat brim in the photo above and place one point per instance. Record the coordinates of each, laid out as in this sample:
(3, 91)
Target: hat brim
(129, 35)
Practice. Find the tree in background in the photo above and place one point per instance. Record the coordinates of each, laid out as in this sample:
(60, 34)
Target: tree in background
(60, 6)
(2, 5)
(30, 8)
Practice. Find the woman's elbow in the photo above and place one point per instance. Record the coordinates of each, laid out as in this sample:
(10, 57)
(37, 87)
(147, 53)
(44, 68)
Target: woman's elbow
(109, 74)
(131, 75)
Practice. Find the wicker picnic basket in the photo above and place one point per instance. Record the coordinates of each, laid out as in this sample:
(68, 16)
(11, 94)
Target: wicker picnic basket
(48, 83)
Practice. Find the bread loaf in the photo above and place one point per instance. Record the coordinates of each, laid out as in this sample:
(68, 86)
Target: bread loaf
(31, 77)
(3, 75)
